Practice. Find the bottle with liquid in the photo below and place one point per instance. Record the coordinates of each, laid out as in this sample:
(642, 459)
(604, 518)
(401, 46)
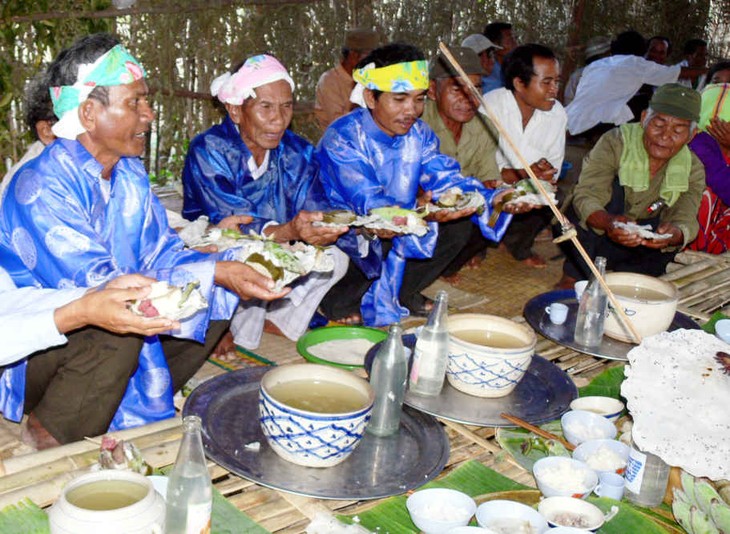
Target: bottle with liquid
(189, 491)
(646, 476)
(591, 317)
(431, 352)
(388, 377)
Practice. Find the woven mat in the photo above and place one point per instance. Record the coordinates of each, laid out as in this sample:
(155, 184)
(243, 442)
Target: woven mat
(458, 299)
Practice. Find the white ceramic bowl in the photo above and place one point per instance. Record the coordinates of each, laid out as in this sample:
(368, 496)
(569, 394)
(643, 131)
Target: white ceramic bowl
(579, 426)
(608, 407)
(488, 371)
(566, 530)
(496, 513)
(589, 452)
(437, 510)
(649, 316)
(571, 513)
(145, 516)
(559, 476)
(722, 329)
(309, 438)
(470, 530)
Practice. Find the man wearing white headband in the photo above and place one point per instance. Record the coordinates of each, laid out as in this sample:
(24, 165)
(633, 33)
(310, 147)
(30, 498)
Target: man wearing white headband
(382, 155)
(81, 214)
(252, 164)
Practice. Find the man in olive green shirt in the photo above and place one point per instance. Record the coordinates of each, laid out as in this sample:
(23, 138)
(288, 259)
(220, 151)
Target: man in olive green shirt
(642, 173)
(465, 135)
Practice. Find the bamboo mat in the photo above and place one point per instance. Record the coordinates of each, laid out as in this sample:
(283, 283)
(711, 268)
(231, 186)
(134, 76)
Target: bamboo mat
(506, 285)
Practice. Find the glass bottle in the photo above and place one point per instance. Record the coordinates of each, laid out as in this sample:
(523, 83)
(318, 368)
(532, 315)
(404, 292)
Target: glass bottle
(592, 311)
(646, 476)
(388, 378)
(431, 353)
(189, 490)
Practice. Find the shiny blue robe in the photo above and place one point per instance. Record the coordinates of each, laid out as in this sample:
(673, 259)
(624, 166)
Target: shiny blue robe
(361, 168)
(217, 181)
(58, 230)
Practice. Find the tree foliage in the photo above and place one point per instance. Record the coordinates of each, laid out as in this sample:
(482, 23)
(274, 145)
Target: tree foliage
(184, 44)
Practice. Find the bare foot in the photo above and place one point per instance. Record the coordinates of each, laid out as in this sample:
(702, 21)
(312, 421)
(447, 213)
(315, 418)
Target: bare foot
(475, 262)
(33, 433)
(453, 279)
(535, 261)
(566, 282)
(354, 319)
(271, 328)
(224, 346)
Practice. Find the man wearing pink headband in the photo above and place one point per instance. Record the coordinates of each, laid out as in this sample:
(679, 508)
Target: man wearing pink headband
(251, 164)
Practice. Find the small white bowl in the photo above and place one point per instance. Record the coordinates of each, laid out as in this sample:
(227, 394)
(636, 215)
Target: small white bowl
(492, 514)
(438, 510)
(722, 329)
(588, 449)
(560, 510)
(567, 530)
(470, 530)
(579, 426)
(547, 469)
(608, 407)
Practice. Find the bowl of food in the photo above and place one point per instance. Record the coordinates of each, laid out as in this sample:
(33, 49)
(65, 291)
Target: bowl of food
(603, 455)
(437, 510)
(510, 517)
(649, 303)
(722, 330)
(314, 415)
(608, 407)
(559, 476)
(488, 355)
(579, 426)
(569, 512)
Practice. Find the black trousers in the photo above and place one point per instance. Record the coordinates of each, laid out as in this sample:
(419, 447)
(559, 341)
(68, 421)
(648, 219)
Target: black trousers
(523, 230)
(75, 390)
(344, 298)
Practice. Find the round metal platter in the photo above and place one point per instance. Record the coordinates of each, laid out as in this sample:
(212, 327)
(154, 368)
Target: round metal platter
(379, 467)
(611, 349)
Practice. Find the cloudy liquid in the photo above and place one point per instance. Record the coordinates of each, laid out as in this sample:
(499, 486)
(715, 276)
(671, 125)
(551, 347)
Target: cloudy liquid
(318, 396)
(490, 338)
(107, 495)
(639, 293)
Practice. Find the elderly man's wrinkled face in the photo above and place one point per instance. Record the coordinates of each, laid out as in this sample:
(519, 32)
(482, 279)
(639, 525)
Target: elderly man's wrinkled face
(120, 128)
(665, 135)
(396, 113)
(453, 99)
(542, 91)
(263, 120)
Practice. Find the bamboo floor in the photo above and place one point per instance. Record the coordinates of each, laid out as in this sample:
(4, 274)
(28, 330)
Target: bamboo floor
(704, 286)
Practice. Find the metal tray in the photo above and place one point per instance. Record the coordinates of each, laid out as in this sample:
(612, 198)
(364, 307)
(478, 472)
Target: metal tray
(544, 394)
(610, 349)
(379, 467)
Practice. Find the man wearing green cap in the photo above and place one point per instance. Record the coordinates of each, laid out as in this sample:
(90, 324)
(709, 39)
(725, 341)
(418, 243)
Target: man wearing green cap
(639, 174)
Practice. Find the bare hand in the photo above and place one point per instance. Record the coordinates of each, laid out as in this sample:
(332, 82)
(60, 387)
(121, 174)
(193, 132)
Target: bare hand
(442, 216)
(234, 222)
(300, 228)
(544, 170)
(720, 130)
(126, 281)
(621, 235)
(246, 282)
(677, 238)
(206, 249)
(515, 208)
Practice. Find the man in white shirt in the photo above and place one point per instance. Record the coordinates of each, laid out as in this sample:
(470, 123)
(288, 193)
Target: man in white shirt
(528, 110)
(34, 319)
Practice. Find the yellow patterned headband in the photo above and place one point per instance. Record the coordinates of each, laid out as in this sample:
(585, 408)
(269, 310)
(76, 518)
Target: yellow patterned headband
(397, 78)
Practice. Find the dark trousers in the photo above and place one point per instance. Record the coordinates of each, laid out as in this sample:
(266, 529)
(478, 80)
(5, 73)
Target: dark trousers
(75, 390)
(344, 298)
(523, 230)
(641, 260)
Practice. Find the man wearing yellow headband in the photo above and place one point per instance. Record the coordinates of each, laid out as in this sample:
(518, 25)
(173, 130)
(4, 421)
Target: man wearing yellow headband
(81, 214)
(383, 155)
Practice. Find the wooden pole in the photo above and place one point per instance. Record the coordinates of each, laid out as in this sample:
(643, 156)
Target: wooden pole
(564, 223)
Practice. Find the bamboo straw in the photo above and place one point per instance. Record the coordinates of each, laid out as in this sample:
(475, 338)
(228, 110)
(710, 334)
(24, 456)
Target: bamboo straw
(564, 223)
(537, 430)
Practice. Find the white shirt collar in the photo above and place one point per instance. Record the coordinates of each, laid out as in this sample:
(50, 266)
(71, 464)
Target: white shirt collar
(257, 171)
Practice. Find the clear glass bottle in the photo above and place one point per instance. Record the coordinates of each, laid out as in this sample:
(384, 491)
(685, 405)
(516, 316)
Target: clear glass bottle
(646, 476)
(431, 353)
(591, 317)
(388, 377)
(189, 490)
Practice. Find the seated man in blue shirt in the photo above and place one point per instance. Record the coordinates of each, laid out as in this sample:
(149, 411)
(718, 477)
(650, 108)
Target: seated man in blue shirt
(383, 155)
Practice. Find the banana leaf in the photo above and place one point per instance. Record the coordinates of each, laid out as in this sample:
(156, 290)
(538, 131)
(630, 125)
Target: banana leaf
(607, 384)
(709, 326)
(25, 517)
(527, 448)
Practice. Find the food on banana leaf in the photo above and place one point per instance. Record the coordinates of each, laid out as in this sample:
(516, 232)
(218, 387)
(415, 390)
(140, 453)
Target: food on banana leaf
(526, 192)
(399, 220)
(122, 455)
(165, 300)
(455, 199)
(338, 218)
(644, 230)
(527, 448)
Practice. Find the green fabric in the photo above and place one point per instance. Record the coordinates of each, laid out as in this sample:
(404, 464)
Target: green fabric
(715, 103)
(477, 148)
(633, 169)
(676, 100)
(115, 67)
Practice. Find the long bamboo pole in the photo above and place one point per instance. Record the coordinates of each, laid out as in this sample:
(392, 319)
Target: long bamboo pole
(565, 225)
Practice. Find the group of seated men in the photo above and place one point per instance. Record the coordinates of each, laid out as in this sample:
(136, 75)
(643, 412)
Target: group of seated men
(82, 215)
